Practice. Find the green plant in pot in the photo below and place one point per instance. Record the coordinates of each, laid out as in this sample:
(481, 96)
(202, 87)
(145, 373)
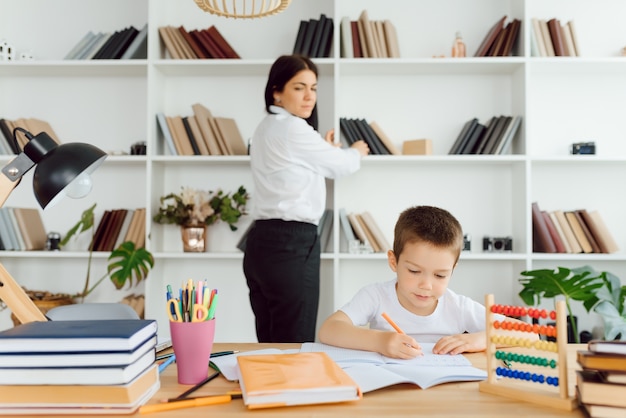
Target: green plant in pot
(125, 263)
(198, 207)
(601, 292)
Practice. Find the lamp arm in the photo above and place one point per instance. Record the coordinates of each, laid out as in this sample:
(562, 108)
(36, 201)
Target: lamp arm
(10, 292)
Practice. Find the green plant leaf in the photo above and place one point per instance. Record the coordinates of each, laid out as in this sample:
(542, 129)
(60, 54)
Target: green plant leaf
(126, 262)
(576, 284)
(614, 321)
(85, 222)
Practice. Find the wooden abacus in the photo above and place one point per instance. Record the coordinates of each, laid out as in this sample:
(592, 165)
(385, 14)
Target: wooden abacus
(527, 385)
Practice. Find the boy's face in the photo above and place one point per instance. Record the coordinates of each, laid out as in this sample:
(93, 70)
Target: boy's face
(424, 272)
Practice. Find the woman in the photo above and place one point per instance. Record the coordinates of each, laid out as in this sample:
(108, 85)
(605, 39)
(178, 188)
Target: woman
(290, 161)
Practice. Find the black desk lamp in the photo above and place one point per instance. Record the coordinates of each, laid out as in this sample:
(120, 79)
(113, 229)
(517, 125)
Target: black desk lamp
(61, 170)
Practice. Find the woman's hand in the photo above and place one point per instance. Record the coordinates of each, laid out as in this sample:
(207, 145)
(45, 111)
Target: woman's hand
(362, 147)
(330, 138)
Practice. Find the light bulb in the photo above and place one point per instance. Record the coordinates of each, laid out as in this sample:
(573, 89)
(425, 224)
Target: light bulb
(79, 187)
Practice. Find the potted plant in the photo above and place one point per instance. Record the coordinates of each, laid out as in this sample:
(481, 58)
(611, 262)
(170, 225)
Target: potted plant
(601, 292)
(194, 210)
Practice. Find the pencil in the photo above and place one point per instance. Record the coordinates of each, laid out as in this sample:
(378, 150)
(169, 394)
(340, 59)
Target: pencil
(188, 403)
(166, 363)
(393, 324)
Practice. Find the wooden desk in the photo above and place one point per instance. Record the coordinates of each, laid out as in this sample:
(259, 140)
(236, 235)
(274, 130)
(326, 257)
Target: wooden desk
(447, 400)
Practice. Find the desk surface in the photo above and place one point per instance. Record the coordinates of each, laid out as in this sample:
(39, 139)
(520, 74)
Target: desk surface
(461, 399)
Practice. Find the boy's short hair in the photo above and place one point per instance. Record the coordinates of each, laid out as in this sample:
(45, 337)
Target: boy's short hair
(428, 224)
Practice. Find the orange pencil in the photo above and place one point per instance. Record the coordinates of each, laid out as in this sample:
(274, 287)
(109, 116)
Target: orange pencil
(393, 324)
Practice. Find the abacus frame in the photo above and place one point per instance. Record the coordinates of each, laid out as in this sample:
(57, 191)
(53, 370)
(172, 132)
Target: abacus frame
(502, 387)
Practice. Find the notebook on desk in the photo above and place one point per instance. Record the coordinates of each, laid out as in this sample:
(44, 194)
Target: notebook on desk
(373, 371)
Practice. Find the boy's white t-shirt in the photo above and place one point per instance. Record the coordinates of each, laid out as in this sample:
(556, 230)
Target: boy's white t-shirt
(455, 314)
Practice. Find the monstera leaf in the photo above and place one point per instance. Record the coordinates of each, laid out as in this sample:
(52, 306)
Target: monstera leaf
(126, 262)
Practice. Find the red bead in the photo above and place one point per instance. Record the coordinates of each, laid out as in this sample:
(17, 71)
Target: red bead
(553, 315)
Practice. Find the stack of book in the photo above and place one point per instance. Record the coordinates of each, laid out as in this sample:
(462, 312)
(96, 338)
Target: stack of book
(501, 39)
(571, 231)
(601, 384)
(120, 225)
(196, 43)
(33, 125)
(315, 37)
(21, 229)
(550, 38)
(365, 38)
(201, 133)
(127, 43)
(78, 367)
(494, 137)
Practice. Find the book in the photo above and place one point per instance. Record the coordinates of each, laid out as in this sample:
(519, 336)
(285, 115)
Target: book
(167, 135)
(347, 233)
(556, 239)
(80, 399)
(568, 232)
(325, 228)
(31, 228)
(52, 374)
(601, 411)
(380, 38)
(307, 42)
(463, 136)
(489, 39)
(193, 44)
(180, 43)
(474, 138)
(79, 46)
(601, 361)
(365, 28)
(545, 31)
(538, 36)
(542, 240)
(138, 49)
(601, 233)
(208, 45)
(314, 51)
(387, 143)
(593, 390)
(177, 128)
(93, 47)
(345, 41)
(595, 248)
(5, 231)
(230, 132)
(297, 46)
(191, 137)
(568, 39)
(222, 43)
(554, 26)
(506, 139)
(372, 371)
(559, 231)
(496, 136)
(572, 30)
(203, 115)
(511, 38)
(102, 52)
(604, 346)
(358, 229)
(378, 234)
(168, 41)
(498, 43)
(368, 233)
(326, 43)
(391, 37)
(101, 230)
(357, 50)
(84, 335)
(577, 229)
(273, 380)
(14, 229)
(128, 36)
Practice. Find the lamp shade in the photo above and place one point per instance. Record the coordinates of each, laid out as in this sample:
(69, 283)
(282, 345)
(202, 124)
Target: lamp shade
(62, 165)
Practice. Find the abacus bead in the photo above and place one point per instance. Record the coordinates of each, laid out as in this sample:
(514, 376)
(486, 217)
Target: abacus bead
(553, 364)
(544, 313)
(553, 315)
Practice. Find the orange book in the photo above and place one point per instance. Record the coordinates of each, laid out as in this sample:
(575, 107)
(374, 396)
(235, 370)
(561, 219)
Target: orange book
(273, 380)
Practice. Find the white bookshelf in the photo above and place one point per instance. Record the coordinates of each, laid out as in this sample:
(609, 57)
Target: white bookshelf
(112, 104)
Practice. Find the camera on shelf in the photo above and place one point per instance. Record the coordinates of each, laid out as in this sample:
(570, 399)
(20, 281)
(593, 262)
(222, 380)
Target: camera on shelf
(583, 148)
(467, 242)
(497, 244)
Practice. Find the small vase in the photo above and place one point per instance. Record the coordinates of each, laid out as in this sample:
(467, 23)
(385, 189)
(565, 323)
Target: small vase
(194, 238)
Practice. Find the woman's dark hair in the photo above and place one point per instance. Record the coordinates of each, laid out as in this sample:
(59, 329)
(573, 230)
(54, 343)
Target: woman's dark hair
(284, 69)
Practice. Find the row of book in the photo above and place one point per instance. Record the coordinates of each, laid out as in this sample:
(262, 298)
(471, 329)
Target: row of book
(550, 38)
(494, 137)
(315, 37)
(365, 38)
(574, 232)
(356, 129)
(196, 43)
(362, 229)
(118, 226)
(78, 367)
(32, 125)
(500, 40)
(21, 229)
(127, 43)
(601, 382)
(201, 133)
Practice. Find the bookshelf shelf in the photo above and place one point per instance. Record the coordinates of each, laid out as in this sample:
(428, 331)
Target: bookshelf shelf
(113, 103)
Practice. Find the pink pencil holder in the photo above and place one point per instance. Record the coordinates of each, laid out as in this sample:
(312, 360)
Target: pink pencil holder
(192, 343)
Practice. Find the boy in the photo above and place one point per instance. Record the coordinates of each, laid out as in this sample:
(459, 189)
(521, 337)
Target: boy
(426, 248)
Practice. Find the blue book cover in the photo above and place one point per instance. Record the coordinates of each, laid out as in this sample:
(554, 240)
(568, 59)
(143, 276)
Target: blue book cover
(77, 336)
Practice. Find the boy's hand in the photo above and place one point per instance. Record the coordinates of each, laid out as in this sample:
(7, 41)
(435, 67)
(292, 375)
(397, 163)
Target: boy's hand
(461, 343)
(396, 345)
